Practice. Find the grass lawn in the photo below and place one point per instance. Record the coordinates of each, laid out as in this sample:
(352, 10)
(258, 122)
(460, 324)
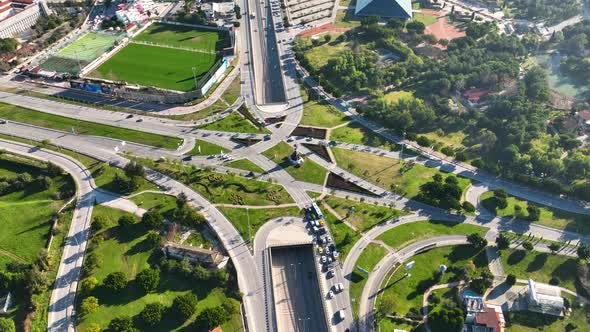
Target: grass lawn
(223, 188)
(122, 250)
(309, 171)
(427, 19)
(389, 324)
(394, 96)
(540, 266)
(26, 215)
(362, 215)
(372, 254)
(183, 36)
(406, 234)
(20, 114)
(258, 217)
(320, 113)
(232, 93)
(356, 134)
(246, 165)
(234, 123)
(217, 107)
(550, 217)
(206, 148)
(387, 172)
(161, 202)
(161, 67)
(528, 321)
(318, 56)
(452, 139)
(346, 19)
(407, 292)
(344, 237)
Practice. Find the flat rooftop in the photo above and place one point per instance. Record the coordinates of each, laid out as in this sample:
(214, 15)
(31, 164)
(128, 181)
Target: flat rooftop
(297, 295)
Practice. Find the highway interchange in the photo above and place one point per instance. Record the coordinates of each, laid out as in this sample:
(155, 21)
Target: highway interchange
(262, 84)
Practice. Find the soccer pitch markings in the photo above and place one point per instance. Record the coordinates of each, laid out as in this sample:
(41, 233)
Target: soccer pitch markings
(160, 67)
(183, 36)
(88, 47)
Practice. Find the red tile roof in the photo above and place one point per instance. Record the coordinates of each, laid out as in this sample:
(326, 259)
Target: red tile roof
(474, 95)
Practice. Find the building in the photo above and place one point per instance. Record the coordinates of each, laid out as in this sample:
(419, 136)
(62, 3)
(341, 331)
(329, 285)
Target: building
(17, 16)
(544, 298)
(473, 96)
(195, 255)
(135, 12)
(482, 317)
(384, 8)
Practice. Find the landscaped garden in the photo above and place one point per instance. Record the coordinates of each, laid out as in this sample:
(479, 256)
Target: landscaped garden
(404, 235)
(404, 178)
(246, 165)
(369, 258)
(20, 114)
(204, 148)
(234, 123)
(319, 113)
(242, 218)
(363, 216)
(129, 283)
(309, 171)
(547, 216)
(31, 193)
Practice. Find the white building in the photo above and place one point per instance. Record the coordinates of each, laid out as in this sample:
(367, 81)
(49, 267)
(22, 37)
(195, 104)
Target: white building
(17, 16)
(545, 298)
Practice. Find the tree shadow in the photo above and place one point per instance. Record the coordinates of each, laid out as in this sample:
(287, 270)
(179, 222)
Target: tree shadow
(538, 262)
(516, 257)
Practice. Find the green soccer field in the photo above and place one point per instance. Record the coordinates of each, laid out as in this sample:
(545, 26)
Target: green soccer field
(89, 47)
(156, 66)
(182, 36)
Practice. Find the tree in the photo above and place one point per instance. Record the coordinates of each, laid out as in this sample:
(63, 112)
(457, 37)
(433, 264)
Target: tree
(8, 45)
(446, 320)
(98, 223)
(152, 219)
(502, 241)
(94, 328)
(476, 240)
(153, 239)
(501, 198)
(231, 306)
(415, 26)
(386, 306)
(88, 284)
(181, 200)
(115, 281)
(534, 213)
(536, 84)
(468, 207)
(126, 221)
(212, 317)
(527, 245)
(88, 306)
(554, 247)
(134, 169)
(584, 252)
(327, 38)
(122, 324)
(185, 305)
(152, 313)
(7, 325)
(148, 279)
(511, 279)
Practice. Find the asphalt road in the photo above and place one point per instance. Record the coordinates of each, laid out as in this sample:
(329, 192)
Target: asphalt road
(297, 296)
(61, 313)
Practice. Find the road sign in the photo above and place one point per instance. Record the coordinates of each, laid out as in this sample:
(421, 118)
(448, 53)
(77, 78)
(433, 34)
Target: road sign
(362, 270)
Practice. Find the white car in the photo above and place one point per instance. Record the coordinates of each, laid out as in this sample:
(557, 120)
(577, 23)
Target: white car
(330, 294)
(323, 259)
(339, 287)
(335, 254)
(340, 315)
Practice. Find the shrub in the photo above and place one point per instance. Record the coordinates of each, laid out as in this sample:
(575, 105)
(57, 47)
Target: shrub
(126, 221)
(534, 213)
(212, 317)
(583, 252)
(7, 325)
(527, 245)
(502, 241)
(115, 281)
(185, 305)
(511, 279)
(468, 207)
(89, 305)
(555, 281)
(122, 324)
(94, 328)
(148, 279)
(98, 223)
(476, 240)
(88, 284)
(152, 313)
(152, 219)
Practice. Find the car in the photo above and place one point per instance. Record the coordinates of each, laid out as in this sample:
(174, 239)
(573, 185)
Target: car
(139, 120)
(335, 254)
(321, 222)
(320, 250)
(340, 315)
(339, 287)
(267, 137)
(323, 259)
(290, 139)
(330, 274)
(129, 116)
(330, 294)
(329, 259)
(187, 158)
(2, 121)
(328, 239)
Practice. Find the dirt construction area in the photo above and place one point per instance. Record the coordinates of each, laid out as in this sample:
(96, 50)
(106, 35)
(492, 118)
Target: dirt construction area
(443, 28)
